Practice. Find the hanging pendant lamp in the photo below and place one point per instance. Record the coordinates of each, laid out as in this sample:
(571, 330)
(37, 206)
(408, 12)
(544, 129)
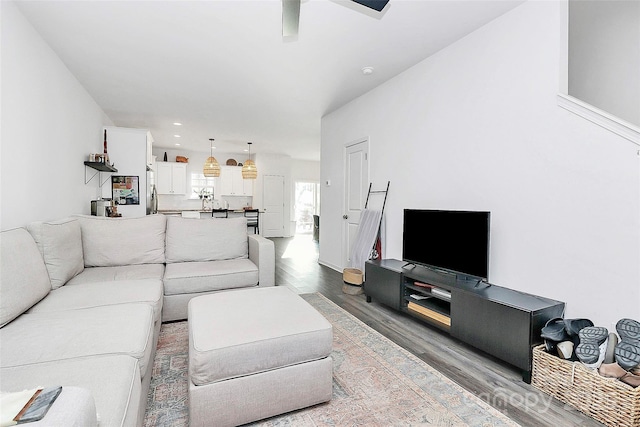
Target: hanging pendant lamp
(249, 170)
(211, 167)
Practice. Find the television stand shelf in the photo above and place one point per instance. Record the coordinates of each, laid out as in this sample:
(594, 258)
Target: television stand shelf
(499, 321)
(429, 302)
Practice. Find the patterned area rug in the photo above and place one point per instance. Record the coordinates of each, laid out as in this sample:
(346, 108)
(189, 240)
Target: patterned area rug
(375, 383)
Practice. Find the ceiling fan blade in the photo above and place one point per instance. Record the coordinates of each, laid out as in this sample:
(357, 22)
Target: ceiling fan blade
(373, 4)
(290, 17)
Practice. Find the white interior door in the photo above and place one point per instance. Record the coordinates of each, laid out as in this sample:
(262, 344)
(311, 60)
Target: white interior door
(273, 201)
(356, 160)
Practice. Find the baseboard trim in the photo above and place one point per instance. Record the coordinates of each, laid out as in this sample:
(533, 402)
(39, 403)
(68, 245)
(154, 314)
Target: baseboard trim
(331, 266)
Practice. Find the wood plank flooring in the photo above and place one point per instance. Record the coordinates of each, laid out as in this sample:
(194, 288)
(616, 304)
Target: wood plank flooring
(496, 382)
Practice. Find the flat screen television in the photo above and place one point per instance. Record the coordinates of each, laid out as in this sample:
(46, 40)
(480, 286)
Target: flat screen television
(454, 241)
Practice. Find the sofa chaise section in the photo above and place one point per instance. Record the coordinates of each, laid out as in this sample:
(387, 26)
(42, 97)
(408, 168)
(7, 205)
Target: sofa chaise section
(69, 329)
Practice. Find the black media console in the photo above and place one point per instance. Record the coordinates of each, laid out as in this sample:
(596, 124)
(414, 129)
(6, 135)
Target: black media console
(500, 321)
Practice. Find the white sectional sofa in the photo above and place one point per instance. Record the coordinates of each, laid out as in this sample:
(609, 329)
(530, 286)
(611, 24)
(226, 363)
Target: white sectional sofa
(82, 299)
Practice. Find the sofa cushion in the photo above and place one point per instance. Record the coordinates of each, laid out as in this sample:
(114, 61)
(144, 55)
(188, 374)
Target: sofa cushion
(108, 242)
(206, 240)
(114, 383)
(121, 272)
(60, 243)
(23, 276)
(44, 337)
(98, 294)
(195, 277)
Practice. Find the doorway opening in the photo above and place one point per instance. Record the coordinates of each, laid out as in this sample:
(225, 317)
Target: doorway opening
(306, 205)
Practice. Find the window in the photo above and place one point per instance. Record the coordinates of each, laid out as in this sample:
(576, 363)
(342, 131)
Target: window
(307, 204)
(201, 186)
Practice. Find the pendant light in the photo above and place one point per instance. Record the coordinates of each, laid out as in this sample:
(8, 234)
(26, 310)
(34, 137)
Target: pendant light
(211, 166)
(249, 170)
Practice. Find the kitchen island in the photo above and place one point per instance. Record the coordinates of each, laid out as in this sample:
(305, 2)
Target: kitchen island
(206, 213)
(191, 213)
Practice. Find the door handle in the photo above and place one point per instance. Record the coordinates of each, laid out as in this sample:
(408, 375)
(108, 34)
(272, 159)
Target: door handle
(345, 216)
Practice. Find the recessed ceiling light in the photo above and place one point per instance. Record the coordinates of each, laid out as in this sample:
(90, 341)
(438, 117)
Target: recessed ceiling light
(177, 144)
(176, 136)
(246, 149)
(177, 124)
(367, 70)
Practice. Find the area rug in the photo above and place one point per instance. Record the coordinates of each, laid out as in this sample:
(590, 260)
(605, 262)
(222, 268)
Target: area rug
(375, 383)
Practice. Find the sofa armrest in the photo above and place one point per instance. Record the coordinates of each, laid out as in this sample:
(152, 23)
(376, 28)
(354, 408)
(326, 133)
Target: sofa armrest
(262, 253)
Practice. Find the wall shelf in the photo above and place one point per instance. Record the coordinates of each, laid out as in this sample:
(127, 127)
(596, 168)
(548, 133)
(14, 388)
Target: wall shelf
(99, 168)
(102, 167)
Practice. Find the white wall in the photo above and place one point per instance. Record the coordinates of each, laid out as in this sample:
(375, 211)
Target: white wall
(305, 171)
(604, 56)
(477, 127)
(50, 124)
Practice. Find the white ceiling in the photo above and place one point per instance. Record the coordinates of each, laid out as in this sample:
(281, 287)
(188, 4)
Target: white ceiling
(222, 69)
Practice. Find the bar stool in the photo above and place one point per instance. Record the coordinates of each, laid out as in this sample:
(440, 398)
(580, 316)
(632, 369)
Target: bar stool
(253, 219)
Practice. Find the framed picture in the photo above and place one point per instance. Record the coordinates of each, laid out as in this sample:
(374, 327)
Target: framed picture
(125, 190)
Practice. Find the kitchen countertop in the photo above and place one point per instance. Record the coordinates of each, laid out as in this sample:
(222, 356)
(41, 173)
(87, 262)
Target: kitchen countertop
(179, 211)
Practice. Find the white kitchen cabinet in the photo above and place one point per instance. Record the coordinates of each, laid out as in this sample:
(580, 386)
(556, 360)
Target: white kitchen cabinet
(231, 182)
(171, 178)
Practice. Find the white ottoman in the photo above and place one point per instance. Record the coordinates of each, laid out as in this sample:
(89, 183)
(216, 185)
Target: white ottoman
(256, 353)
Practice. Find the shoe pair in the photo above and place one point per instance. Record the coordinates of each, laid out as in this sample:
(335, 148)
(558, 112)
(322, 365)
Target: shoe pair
(627, 352)
(597, 345)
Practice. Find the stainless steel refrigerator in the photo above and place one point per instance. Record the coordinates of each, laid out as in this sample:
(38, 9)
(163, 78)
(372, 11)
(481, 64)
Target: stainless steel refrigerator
(152, 194)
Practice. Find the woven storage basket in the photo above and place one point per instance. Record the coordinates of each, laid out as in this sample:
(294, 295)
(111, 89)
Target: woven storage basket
(607, 400)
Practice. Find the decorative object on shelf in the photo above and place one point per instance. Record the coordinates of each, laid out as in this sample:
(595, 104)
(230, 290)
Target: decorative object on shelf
(105, 143)
(231, 162)
(165, 156)
(182, 159)
(249, 170)
(211, 167)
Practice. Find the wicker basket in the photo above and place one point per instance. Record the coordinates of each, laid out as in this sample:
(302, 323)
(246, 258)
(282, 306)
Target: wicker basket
(607, 400)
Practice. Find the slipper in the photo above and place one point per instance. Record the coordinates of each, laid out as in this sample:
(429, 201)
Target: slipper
(554, 330)
(574, 326)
